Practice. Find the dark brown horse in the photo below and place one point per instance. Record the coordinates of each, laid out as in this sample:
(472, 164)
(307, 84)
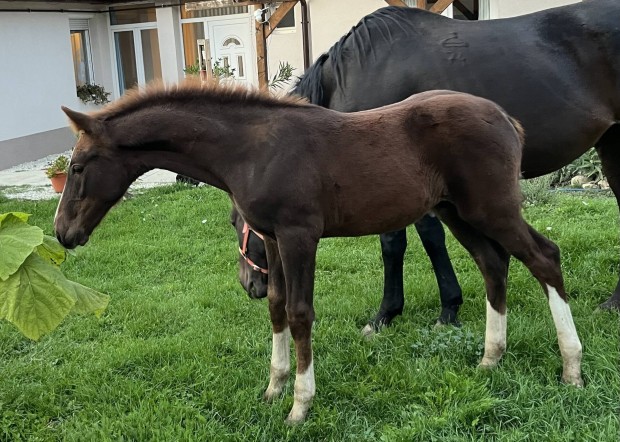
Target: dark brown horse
(557, 71)
(293, 171)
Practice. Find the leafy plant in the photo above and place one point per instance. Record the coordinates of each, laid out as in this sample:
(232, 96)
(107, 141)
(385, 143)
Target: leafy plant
(34, 294)
(538, 190)
(222, 71)
(93, 93)
(193, 69)
(588, 165)
(284, 74)
(59, 166)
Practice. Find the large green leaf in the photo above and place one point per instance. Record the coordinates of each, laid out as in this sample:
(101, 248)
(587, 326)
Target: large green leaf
(88, 300)
(17, 241)
(36, 298)
(21, 215)
(51, 250)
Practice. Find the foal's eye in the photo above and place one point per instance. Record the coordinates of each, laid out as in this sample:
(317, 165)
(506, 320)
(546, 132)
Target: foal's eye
(77, 168)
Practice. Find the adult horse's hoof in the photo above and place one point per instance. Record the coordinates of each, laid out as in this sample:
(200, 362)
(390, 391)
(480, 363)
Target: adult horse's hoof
(448, 316)
(612, 303)
(375, 325)
(368, 331)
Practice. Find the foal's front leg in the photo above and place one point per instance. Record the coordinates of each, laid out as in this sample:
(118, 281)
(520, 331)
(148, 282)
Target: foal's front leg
(281, 350)
(298, 253)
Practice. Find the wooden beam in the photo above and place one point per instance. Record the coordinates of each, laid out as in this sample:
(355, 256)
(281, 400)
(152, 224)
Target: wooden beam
(261, 53)
(469, 15)
(278, 15)
(400, 3)
(422, 4)
(441, 6)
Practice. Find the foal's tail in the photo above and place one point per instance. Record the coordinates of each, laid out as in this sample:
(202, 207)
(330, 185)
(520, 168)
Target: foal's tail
(518, 128)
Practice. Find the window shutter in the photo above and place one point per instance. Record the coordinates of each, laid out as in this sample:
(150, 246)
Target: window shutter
(78, 24)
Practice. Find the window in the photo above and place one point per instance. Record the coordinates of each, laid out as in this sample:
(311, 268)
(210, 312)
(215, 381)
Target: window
(288, 21)
(188, 11)
(80, 49)
(126, 16)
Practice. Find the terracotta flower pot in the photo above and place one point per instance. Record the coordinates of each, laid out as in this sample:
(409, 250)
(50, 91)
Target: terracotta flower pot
(58, 182)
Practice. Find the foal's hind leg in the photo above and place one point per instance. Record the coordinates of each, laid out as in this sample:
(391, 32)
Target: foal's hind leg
(281, 350)
(501, 220)
(492, 260)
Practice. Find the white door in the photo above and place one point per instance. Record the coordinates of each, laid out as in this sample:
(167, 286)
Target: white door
(232, 45)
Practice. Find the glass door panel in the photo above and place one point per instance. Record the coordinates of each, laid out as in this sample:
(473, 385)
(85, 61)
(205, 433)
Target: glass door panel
(126, 60)
(150, 54)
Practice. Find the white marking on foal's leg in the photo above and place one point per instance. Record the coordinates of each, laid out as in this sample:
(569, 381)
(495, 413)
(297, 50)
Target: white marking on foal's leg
(570, 346)
(280, 364)
(494, 337)
(304, 393)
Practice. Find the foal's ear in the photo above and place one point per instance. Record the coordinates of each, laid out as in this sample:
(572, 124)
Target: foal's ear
(80, 121)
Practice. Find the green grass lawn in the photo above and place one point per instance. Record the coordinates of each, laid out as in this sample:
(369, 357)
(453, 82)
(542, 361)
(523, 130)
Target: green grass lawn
(183, 354)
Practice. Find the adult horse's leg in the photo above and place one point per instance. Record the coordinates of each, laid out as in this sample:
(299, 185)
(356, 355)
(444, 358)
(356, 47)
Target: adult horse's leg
(298, 252)
(393, 246)
(281, 350)
(492, 260)
(608, 149)
(434, 241)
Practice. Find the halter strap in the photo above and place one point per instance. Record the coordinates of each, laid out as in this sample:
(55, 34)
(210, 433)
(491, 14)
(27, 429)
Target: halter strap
(243, 250)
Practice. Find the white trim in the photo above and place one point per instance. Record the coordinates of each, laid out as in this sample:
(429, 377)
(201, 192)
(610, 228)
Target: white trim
(305, 389)
(569, 343)
(494, 337)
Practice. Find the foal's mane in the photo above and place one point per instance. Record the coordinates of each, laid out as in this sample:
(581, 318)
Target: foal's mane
(384, 25)
(191, 92)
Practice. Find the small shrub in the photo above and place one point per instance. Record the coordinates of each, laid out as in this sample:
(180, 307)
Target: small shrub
(93, 93)
(537, 191)
(192, 69)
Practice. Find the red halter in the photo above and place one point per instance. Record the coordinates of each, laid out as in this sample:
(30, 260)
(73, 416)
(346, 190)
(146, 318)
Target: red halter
(244, 248)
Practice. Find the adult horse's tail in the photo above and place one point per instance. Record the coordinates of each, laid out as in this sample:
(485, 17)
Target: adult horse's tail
(310, 85)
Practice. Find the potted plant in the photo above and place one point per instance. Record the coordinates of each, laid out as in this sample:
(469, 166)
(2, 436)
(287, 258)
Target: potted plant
(56, 171)
(92, 93)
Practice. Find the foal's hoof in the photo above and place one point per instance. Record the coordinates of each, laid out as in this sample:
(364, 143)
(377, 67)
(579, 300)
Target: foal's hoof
(488, 364)
(573, 380)
(293, 421)
(298, 413)
(375, 325)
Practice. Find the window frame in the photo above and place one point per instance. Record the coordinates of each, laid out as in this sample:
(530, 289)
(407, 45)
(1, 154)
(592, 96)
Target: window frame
(88, 52)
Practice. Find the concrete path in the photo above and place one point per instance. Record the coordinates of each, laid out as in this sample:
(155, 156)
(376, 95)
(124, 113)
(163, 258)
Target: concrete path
(28, 180)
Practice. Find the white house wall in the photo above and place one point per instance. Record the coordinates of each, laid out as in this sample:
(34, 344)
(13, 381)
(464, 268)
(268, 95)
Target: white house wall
(33, 88)
(37, 77)
(331, 19)
(286, 46)
(512, 8)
